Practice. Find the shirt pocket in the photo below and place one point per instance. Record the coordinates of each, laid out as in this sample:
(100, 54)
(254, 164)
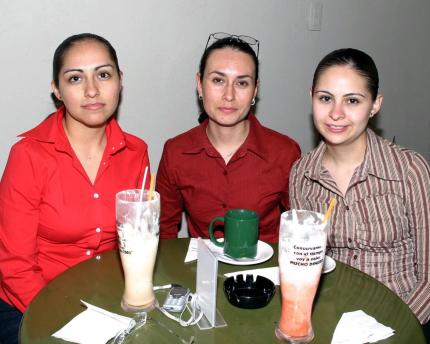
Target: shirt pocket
(381, 223)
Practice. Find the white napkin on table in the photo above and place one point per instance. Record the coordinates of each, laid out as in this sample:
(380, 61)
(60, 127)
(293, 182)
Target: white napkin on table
(93, 326)
(270, 273)
(192, 249)
(358, 328)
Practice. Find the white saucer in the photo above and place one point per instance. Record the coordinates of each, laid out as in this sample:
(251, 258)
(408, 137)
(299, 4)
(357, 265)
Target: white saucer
(264, 252)
(329, 265)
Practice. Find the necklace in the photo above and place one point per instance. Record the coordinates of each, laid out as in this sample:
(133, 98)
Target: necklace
(225, 156)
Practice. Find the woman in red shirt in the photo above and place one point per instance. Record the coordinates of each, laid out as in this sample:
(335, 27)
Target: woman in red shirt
(57, 193)
(230, 160)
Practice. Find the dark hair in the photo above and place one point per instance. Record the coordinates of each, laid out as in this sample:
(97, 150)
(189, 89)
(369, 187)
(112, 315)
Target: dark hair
(233, 43)
(227, 42)
(357, 60)
(70, 42)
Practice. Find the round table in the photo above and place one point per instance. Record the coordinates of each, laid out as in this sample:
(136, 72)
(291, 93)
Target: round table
(101, 283)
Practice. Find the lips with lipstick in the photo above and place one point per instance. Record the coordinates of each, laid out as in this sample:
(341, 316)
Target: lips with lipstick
(336, 128)
(93, 106)
(225, 109)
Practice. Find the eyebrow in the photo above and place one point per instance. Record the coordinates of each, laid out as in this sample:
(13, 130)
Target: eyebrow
(345, 95)
(239, 76)
(81, 70)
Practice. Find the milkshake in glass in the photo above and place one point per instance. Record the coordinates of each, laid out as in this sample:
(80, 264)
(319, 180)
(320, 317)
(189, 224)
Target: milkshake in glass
(138, 232)
(302, 242)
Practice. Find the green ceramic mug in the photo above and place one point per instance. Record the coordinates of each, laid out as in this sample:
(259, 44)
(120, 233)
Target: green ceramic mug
(240, 233)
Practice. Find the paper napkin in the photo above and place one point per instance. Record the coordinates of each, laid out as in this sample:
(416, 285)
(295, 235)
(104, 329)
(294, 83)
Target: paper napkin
(192, 249)
(270, 273)
(358, 328)
(93, 326)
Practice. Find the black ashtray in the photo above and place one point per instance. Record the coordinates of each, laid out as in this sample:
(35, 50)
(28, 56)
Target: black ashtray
(249, 293)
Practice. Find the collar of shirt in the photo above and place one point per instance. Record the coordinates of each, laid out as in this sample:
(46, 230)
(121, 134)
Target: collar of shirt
(52, 131)
(372, 163)
(254, 142)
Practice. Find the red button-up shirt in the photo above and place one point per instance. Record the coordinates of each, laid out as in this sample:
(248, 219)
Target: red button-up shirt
(51, 215)
(193, 176)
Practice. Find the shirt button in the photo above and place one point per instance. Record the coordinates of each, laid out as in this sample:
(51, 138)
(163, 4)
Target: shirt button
(98, 257)
(104, 162)
(88, 253)
(355, 257)
(120, 143)
(96, 195)
(113, 148)
(347, 207)
(98, 230)
(349, 240)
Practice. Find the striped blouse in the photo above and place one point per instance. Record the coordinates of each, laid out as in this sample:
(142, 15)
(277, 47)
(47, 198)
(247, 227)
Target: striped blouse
(382, 224)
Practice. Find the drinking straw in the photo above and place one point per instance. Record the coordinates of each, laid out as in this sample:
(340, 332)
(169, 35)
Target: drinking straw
(329, 210)
(295, 218)
(139, 206)
(143, 184)
(151, 186)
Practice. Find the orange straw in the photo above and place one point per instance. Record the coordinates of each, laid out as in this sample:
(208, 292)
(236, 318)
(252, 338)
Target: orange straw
(329, 210)
(151, 186)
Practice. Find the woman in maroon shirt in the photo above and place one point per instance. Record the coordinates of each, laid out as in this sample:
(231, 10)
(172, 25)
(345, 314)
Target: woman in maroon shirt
(230, 160)
(57, 194)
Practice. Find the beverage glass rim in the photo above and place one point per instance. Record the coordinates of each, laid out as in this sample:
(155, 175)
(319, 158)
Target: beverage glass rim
(136, 193)
(288, 212)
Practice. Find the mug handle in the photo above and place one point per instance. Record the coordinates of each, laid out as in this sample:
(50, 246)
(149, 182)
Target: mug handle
(211, 233)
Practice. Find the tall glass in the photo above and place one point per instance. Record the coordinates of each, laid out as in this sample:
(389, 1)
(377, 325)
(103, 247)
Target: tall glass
(137, 220)
(302, 242)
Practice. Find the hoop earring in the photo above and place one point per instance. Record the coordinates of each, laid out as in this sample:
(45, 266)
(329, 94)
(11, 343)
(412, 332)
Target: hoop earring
(253, 102)
(200, 97)
(371, 114)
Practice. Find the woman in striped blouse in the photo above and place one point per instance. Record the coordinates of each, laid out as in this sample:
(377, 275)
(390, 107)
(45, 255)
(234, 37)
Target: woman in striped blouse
(381, 219)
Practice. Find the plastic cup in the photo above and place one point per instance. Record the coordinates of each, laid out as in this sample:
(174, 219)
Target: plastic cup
(137, 221)
(302, 243)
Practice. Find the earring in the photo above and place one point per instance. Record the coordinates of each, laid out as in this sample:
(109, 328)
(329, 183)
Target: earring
(200, 97)
(253, 102)
(371, 114)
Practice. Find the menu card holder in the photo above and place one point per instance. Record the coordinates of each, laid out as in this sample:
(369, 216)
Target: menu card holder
(206, 287)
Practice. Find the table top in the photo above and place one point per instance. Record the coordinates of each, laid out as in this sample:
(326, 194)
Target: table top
(101, 283)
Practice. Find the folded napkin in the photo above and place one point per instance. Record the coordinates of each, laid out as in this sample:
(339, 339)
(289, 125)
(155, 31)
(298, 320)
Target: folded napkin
(192, 249)
(93, 326)
(270, 273)
(358, 328)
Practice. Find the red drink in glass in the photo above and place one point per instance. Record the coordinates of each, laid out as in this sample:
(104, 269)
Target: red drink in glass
(302, 241)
